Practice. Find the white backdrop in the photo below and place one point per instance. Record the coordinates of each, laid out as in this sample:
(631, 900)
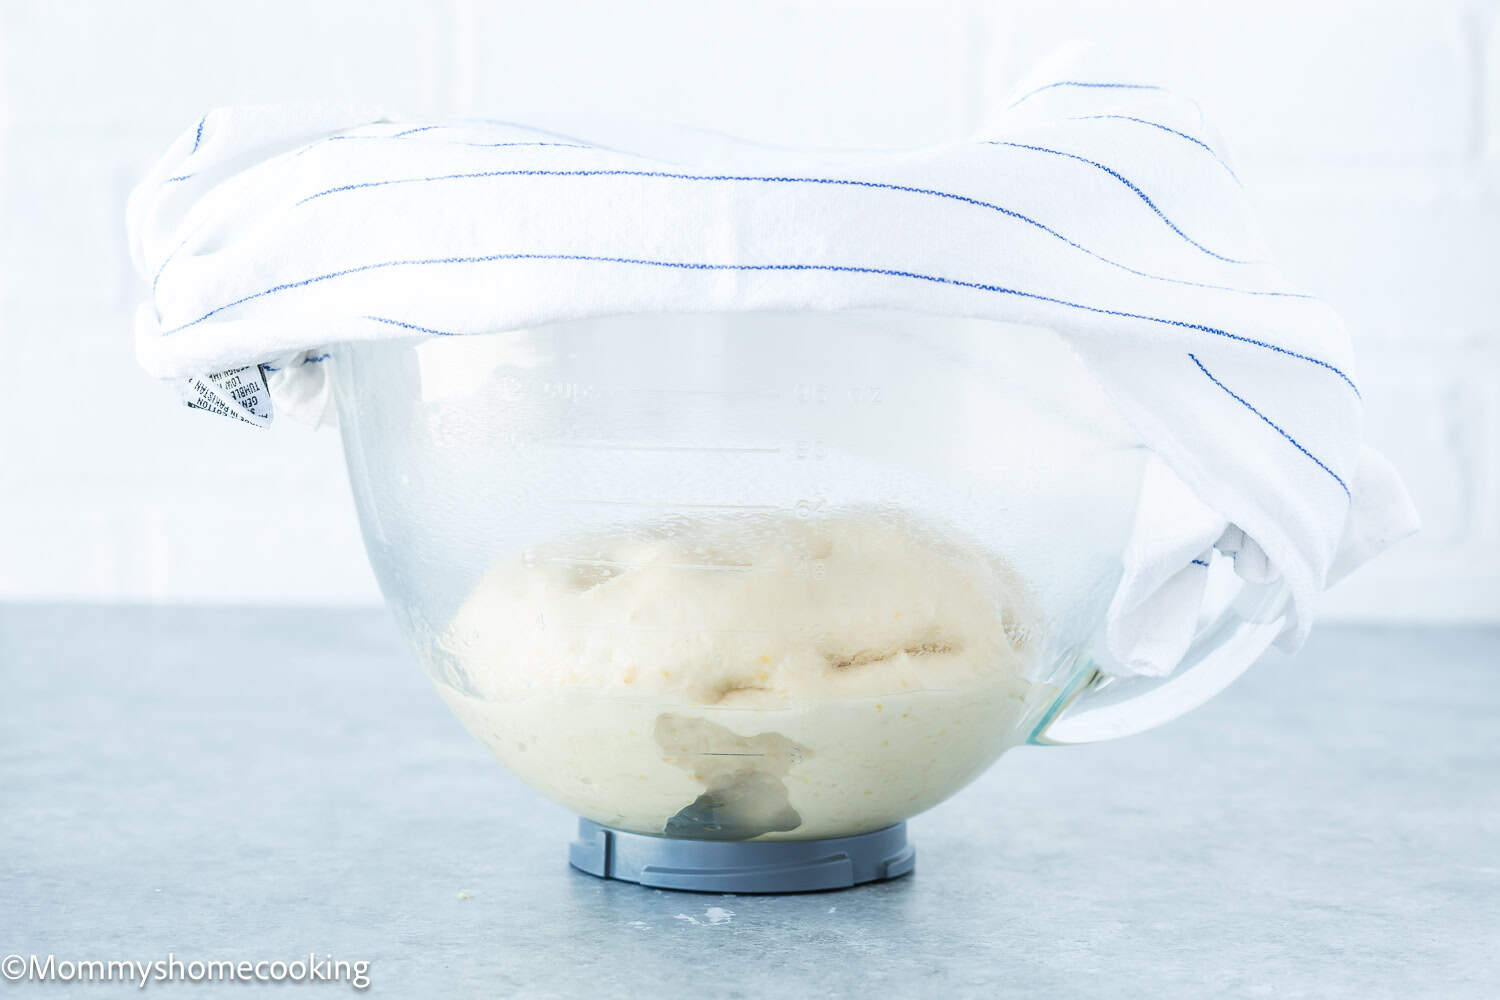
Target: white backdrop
(1368, 133)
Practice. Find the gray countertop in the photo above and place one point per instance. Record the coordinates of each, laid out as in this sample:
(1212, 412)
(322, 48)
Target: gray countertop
(257, 784)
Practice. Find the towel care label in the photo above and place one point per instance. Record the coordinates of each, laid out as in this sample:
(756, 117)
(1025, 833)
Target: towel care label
(240, 393)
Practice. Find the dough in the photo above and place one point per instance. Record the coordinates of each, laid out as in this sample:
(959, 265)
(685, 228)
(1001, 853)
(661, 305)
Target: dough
(759, 675)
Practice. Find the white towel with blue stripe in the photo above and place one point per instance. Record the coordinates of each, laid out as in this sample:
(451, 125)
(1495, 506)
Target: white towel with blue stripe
(1100, 206)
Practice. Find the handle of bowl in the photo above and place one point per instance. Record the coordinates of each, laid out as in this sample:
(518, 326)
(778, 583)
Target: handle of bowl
(1219, 654)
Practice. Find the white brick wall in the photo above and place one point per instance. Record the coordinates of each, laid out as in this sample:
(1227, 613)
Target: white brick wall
(1369, 133)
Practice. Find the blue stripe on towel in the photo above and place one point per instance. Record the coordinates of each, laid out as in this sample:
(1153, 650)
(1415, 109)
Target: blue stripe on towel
(429, 128)
(1126, 181)
(699, 266)
(782, 179)
(315, 359)
(165, 261)
(1080, 83)
(1165, 128)
(411, 326)
(1245, 403)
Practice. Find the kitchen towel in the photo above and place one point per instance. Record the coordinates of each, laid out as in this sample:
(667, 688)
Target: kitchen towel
(1098, 204)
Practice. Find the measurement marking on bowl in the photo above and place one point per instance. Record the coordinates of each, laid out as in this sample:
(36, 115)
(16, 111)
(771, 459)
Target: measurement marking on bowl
(674, 505)
(647, 446)
(717, 568)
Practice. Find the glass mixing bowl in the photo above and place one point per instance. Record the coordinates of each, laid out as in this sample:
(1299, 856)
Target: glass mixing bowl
(760, 576)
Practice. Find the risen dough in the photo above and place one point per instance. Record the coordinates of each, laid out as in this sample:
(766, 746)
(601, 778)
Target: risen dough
(747, 610)
(746, 676)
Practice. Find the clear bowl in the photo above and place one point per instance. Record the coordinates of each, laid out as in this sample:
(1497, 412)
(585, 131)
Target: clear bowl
(757, 575)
